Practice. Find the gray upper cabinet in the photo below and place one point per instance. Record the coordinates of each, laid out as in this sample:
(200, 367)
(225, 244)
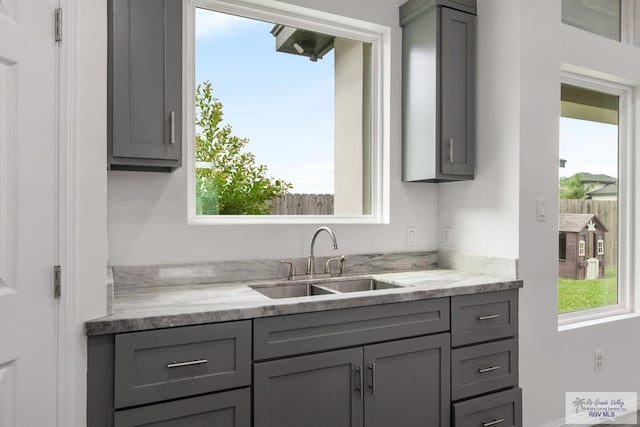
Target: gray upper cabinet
(438, 106)
(145, 85)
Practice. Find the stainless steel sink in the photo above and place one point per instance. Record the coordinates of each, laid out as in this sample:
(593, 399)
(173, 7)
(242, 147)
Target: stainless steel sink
(358, 285)
(321, 288)
(291, 291)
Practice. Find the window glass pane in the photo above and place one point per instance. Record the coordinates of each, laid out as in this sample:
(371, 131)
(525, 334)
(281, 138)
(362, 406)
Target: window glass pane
(596, 16)
(281, 119)
(588, 222)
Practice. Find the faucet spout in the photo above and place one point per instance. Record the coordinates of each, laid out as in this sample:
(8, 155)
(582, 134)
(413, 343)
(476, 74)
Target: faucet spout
(310, 260)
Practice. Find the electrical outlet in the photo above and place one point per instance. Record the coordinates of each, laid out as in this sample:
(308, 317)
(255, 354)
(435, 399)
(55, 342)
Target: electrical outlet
(597, 360)
(411, 236)
(447, 237)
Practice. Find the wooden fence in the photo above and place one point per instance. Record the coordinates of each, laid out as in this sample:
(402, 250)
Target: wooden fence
(302, 204)
(607, 213)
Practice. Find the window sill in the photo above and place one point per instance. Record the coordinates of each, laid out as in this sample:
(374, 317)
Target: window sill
(570, 321)
(283, 219)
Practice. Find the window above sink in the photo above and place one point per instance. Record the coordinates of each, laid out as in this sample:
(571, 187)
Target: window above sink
(301, 102)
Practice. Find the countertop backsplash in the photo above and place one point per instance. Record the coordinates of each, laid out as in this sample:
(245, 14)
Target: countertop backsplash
(127, 279)
(267, 269)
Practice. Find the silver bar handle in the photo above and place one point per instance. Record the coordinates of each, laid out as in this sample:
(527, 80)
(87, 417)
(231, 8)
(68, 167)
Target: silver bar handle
(189, 363)
(360, 386)
(451, 150)
(172, 127)
(341, 260)
(489, 316)
(489, 369)
(492, 423)
(372, 386)
(292, 269)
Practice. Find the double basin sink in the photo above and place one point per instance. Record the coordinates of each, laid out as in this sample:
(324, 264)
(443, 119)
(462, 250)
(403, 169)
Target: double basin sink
(343, 285)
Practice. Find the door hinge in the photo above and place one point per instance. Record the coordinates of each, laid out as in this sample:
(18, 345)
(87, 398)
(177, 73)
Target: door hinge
(58, 26)
(57, 281)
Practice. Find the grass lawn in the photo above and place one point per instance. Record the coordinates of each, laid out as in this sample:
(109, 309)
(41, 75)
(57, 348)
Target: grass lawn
(576, 295)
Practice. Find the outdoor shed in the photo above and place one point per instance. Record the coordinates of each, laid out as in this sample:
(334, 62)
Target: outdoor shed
(581, 246)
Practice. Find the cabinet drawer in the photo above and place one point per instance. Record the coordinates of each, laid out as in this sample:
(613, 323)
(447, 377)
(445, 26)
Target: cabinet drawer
(484, 317)
(483, 368)
(325, 330)
(152, 366)
(226, 409)
(503, 409)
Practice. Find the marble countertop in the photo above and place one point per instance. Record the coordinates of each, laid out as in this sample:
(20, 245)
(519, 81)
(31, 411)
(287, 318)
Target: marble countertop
(181, 305)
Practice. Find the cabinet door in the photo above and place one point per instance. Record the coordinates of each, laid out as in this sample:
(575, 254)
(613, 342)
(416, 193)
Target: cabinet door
(318, 390)
(228, 409)
(457, 95)
(146, 79)
(407, 383)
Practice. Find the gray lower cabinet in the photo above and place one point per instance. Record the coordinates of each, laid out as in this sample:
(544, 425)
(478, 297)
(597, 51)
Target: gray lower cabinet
(186, 376)
(502, 409)
(408, 383)
(438, 96)
(145, 85)
(484, 360)
(228, 409)
(152, 366)
(408, 364)
(318, 390)
(402, 383)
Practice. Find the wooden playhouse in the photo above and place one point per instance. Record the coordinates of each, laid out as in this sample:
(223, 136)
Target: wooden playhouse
(581, 246)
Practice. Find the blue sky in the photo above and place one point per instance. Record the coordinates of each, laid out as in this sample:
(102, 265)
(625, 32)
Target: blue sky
(588, 147)
(283, 103)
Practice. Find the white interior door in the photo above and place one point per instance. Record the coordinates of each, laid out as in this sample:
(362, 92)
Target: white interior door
(28, 187)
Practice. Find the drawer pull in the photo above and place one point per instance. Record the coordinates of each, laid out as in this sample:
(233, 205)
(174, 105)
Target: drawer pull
(489, 316)
(489, 369)
(372, 386)
(451, 150)
(189, 363)
(493, 423)
(172, 127)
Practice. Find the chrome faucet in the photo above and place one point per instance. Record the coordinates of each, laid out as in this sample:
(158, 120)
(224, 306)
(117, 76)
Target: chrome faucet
(310, 260)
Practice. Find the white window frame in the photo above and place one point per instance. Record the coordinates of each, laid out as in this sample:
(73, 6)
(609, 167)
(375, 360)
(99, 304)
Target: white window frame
(627, 24)
(625, 305)
(600, 249)
(582, 248)
(296, 16)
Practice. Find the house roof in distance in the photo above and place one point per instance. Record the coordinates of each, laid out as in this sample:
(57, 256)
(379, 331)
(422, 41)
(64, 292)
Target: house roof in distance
(574, 223)
(601, 178)
(607, 190)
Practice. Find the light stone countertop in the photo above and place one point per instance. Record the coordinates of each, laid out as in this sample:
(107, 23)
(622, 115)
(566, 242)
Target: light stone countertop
(165, 306)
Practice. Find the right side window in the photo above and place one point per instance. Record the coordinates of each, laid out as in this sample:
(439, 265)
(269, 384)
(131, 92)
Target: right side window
(591, 124)
(602, 17)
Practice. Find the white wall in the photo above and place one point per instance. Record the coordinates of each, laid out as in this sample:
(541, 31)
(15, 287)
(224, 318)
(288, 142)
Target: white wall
(483, 213)
(86, 38)
(349, 60)
(147, 212)
(521, 47)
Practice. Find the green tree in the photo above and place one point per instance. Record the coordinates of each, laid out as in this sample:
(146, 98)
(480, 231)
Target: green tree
(572, 187)
(234, 184)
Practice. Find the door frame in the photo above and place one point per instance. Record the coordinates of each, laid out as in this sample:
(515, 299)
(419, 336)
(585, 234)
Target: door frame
(70, 339)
